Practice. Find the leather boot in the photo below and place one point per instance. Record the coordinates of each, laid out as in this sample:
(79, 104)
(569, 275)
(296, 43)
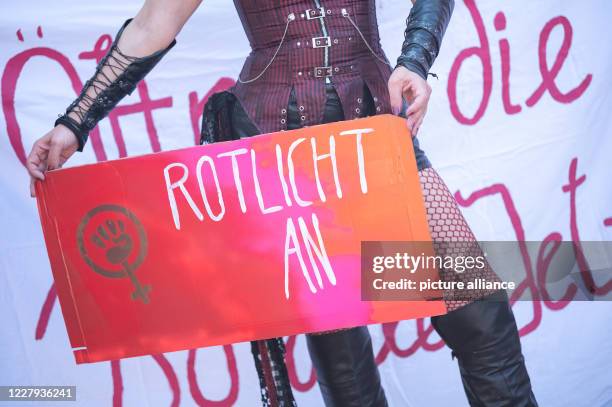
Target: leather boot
(346, 370)
(484, 338)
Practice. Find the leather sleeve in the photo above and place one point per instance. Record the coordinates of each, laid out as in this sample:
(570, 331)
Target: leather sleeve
(116, 76)
(425, 27)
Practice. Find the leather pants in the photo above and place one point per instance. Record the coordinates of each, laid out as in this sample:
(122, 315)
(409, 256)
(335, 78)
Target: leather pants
(482, 335)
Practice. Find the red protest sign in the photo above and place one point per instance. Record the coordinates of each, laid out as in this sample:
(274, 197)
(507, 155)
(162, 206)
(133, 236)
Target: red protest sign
(229, 242)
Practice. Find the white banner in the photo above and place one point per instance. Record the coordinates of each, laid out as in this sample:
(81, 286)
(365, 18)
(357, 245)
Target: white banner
(519, 126)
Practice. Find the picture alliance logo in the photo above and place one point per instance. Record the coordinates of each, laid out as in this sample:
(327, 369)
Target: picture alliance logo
(113, 243)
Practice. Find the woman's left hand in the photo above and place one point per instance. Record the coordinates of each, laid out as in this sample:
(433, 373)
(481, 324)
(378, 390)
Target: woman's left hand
(408, 85)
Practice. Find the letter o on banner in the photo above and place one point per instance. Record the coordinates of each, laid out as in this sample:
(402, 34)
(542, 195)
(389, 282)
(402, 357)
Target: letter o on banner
(213, 171)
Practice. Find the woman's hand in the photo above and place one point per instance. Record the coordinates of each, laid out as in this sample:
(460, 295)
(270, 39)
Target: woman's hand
(406, 84)
(49, 153)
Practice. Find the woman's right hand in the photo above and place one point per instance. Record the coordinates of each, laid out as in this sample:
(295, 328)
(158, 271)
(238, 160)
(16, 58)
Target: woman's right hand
(49, 153)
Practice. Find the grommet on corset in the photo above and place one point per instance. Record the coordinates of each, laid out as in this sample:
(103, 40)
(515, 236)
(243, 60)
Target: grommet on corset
(357, 110)
(302, 118)
(301, 108)
(283, 121)
(336, 41)
(375, 99)
(359, 100)
(378, 108)
(283, 111)
(336, 69)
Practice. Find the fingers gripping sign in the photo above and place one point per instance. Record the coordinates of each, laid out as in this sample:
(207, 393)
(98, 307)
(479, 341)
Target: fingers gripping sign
(50, 152)
(405, 85)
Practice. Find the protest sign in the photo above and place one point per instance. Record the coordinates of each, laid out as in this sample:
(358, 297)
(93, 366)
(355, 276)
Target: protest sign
(228, 242)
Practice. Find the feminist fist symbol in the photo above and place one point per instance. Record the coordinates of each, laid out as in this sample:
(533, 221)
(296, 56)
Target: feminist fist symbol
(121, 243)
(111, 236)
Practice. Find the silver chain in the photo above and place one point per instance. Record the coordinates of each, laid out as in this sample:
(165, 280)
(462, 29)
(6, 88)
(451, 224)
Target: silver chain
(346, 15)
(290, 18)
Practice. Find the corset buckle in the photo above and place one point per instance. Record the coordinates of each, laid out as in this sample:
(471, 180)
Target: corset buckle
(321, 42)
(323, 71)
(318, 12)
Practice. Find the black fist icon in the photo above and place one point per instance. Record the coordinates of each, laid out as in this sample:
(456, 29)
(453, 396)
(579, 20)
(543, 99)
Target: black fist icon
(112, 237)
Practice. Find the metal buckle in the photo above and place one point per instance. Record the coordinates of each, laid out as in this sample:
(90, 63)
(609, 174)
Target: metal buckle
(323, 71)
(321, 42)
(318, 12)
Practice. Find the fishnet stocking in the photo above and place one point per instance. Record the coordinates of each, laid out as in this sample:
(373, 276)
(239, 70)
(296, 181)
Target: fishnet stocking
(453, 237)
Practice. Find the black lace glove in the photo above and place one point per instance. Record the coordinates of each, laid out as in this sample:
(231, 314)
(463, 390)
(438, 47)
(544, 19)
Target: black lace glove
(116, 76)
(425, 27)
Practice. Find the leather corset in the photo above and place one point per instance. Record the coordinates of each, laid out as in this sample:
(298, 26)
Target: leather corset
(303, 44)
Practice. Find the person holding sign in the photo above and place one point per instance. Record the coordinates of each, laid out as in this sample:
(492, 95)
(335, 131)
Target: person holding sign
(313, 62)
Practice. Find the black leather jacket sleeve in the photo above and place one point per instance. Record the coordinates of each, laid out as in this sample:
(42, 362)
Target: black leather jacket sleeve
(425, 27)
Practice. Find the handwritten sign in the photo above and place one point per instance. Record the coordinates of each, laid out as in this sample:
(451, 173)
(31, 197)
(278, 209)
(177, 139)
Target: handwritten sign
(229, 242)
